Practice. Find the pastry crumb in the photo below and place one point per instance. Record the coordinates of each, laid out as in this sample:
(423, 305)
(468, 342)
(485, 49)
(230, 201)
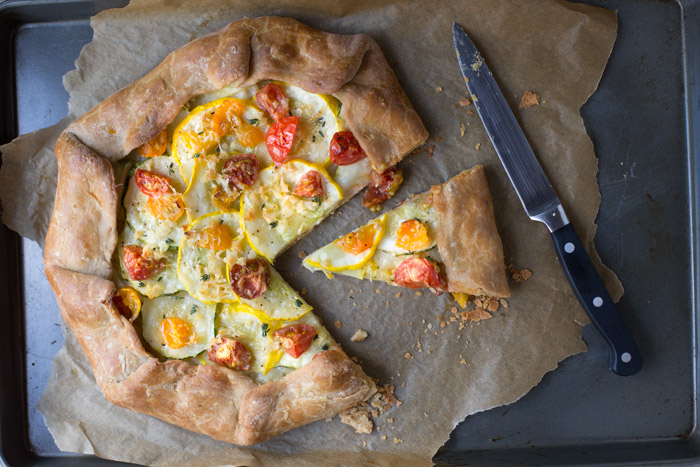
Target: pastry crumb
(302, 254)
(520, 276)
(397, 441)
(384, 437)
(358, 419)
(338, 324)
(438, 89)
(398, 295)
(529, 99)
(478, 145)
(465, 102)
(437, 139)
(303, 291)
(419, 293)
(407, 355)
(364, 444)
(431, 151)
(378, 291)
(462, 129)
(503, 302)
(359, 335)
(463, 361)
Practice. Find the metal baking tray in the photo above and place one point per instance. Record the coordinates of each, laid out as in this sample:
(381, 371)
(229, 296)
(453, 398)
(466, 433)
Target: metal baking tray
(644, 121)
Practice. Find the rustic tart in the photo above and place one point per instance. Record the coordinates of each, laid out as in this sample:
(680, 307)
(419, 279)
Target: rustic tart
(175, 195)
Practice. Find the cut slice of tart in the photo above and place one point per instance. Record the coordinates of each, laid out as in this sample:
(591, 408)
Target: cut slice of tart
(444, 239)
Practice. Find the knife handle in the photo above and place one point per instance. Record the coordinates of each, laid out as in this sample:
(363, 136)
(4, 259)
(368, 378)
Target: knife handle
(625, 358)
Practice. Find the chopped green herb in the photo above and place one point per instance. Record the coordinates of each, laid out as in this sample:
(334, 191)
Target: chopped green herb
(340, 106)
(141, 284)
(321, 121)
(205, 277)
(320, 133)
(313, 138)
(316, 337)
(173, 248)
(169, 241)
(196, 155)
(297, 303)
(130, 226)
(163, 316)
(325, 346)
(273, 224)
(221, 221)
(170, 169)
(193, 310)
(316, 199)
(253, 121)
(218, 149)
(160, 278)
(416, 219)
(265, 329)
(200, 133)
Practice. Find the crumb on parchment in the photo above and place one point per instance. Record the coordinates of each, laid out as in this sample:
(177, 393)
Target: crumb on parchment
(358, 419)
(529, 99)
(359, 335)
(338, 324)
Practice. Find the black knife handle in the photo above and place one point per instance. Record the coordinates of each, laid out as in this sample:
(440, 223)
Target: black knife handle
(625, 358)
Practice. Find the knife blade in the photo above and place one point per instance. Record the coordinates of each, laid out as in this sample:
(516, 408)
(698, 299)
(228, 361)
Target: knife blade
(542, 204)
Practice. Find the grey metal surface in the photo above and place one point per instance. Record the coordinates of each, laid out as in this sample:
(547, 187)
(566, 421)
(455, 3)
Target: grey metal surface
(580, 413)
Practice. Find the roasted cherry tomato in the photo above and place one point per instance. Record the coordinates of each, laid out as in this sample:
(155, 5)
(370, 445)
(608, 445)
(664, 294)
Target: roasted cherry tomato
(419, 272)
(241, 170)
(412, 235)
(345, 149)
(280, 137)
(231, 353)
(167, 208)
(310, 185)
(152, 184)
(359, 241)
(177, 333)
(127, 302)
(223, 200)
(156, 146)
(382, 186)
(250, 280)
(215, 237)
(272, 100)
(295, 338)
(139, 266)
(227, 117)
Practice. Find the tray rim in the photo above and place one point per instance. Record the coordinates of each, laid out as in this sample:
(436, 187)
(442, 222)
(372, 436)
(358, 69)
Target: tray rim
(14, 444)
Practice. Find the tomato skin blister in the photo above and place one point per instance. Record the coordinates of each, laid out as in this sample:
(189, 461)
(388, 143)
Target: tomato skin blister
(310, 185)
(295, 339)
(415, 273)
(345, 149)
(271, 99)
(280, 138)
(250, 280)
(140, 266)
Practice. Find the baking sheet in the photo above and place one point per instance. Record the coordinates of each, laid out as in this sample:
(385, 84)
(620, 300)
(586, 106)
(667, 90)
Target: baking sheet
(592, 364)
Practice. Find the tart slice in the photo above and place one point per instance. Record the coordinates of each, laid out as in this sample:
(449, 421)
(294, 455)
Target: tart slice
(444, 239)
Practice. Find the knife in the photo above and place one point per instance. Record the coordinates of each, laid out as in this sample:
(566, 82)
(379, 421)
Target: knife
(542, 204)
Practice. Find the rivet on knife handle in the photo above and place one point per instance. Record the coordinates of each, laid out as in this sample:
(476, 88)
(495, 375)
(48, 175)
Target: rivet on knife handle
(542, 204)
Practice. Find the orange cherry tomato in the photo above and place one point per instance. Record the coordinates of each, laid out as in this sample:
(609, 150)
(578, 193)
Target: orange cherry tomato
(167, 208)
(382, 186)
(227, 117)
(280, 137)
(231, 353)
(419, 272)
(156, 146)
(140, 266)
(412, 235)
(345, 149)
(272, 100)
(223, 200)
(295, 339)
(241, 170)
(310, 185)
(177, 333)
(359, 241)
(152, 184)
(215, 237)
(127, 302)
(250, 280)
(249, 135)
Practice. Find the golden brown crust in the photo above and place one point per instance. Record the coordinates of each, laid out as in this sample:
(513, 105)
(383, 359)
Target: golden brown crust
(247, 51)
(467, 239)
(82, 236)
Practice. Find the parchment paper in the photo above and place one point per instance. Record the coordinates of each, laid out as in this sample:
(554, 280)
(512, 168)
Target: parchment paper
(441, 374)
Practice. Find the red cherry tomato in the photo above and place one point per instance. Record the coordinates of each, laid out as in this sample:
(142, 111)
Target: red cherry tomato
(151, 184)
(419, 272)
(250, 280)
(231, 353)
(241, 170)
(310, 185)
(272, 100)
(280, 137)
(139, 266)
(382, 186)
(295, 338)
(345, 149)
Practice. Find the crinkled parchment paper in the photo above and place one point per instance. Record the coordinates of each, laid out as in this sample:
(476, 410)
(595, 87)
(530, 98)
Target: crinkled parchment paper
(442, 374)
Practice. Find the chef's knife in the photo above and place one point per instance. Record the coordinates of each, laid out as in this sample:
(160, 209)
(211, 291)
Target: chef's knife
(542, 204)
